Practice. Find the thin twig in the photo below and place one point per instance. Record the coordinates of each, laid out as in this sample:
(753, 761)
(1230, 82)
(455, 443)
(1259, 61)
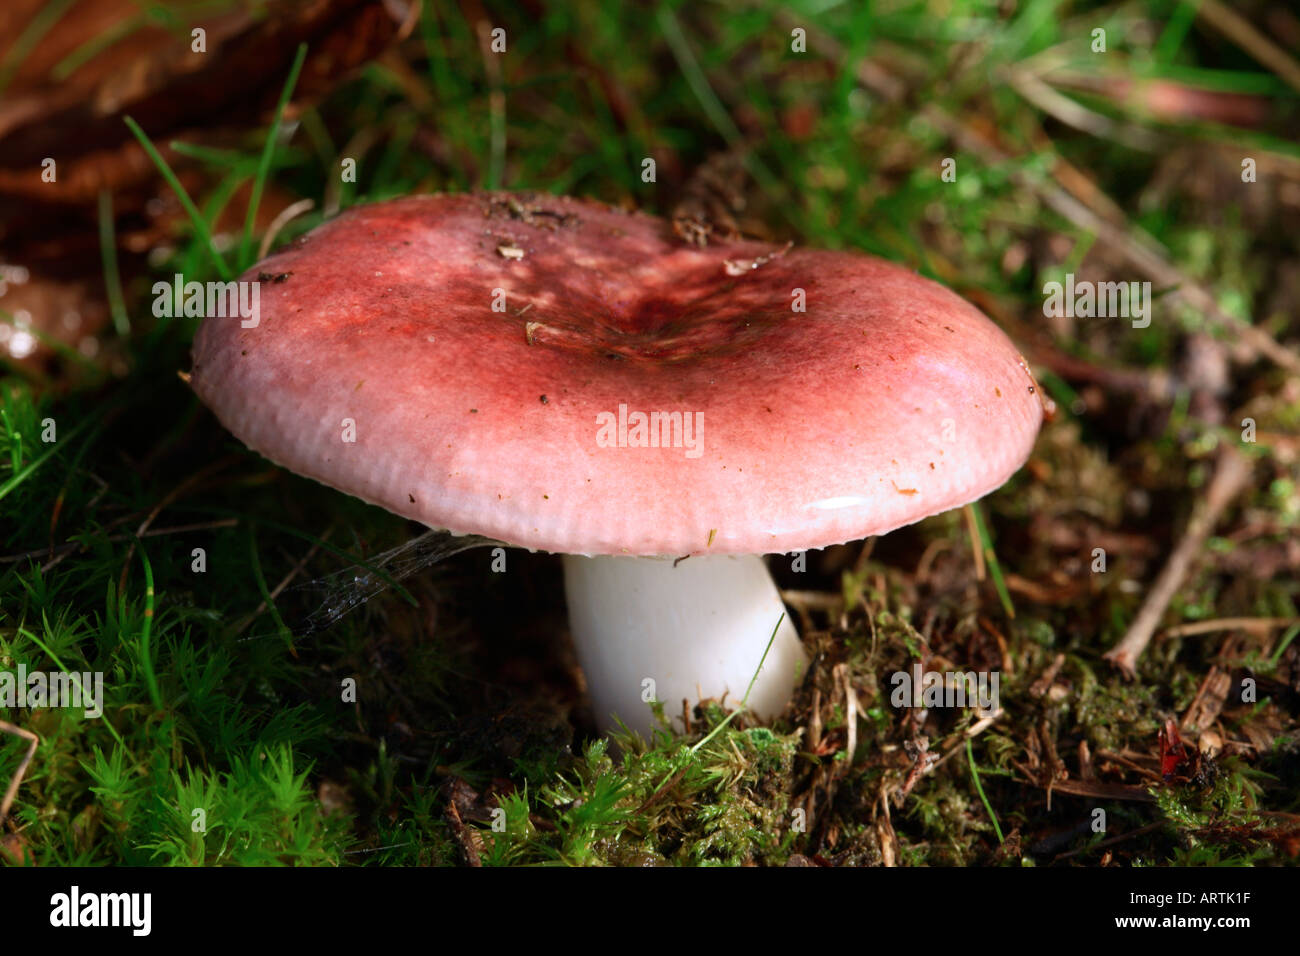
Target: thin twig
(1072, 113)
(463, 834)
(284, 583)
(170, 497)
(151, 533)
(12, 790)
(1259, 625)
(1111, 841)
(1231, 475)
(850, 718)
(283, 217)
(1241, 32)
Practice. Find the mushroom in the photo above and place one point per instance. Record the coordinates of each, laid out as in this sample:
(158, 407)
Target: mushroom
(660, 414)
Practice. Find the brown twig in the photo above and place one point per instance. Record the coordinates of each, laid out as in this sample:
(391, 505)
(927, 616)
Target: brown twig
(850, 717)
(1240, 31)
(1089, 788)
(464, 835)
(1256, 625)
(1111, 841)
(885, 828)
(171, 496)
(815, 721)
(151, 533)
(1130, 764)
(666, 786)
(1208, 703)
(922, 762)
(12, 790)
(1044, 683)
(282, 219)
(1231, 475)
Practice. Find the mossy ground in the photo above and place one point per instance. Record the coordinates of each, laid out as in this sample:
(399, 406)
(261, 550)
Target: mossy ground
(468, 699)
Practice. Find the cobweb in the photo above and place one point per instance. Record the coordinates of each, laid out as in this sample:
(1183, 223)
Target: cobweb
(342, 592)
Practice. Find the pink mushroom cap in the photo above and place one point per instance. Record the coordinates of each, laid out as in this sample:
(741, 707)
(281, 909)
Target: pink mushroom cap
(886, 400)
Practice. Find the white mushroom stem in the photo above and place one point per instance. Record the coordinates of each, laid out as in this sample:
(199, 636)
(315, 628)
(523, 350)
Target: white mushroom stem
(696, 628)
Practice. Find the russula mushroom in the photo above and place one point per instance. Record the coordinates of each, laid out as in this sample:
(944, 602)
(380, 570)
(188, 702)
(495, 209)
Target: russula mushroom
(602, 391)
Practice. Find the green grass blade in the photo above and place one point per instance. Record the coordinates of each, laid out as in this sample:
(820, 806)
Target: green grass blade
(27, 40)
(979, 788)
(699, 83)
(256, 563)
(18, 477)
(1283, 644)
(991, 556)
(744, 701)
(200, 226)
(264, 167)
(146, 656)
(112, 278)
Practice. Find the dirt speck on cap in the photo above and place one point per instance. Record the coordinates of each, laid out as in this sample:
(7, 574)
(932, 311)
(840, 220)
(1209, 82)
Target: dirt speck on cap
(739, 267)
(524, 208)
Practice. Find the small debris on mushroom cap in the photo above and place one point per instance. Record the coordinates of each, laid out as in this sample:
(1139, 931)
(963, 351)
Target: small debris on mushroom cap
(831, 395)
